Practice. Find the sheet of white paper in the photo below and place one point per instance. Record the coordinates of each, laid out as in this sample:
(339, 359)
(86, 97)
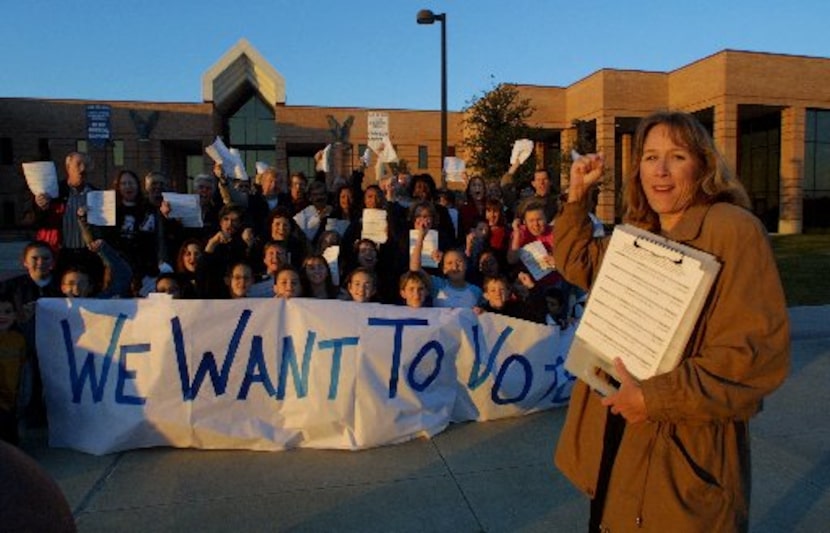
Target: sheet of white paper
(100, 208)
(338, 225)
(375, 226)
(185, 207)
(385, 150)
(535, 257)
(239, 172)
(41, 178)
(454, 169)
(221, 154)
(430, 245)
(331, 254)
(309, 221)
(522, 149)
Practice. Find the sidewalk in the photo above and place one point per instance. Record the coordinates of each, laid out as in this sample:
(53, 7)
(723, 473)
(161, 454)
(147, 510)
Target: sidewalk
(492, 476)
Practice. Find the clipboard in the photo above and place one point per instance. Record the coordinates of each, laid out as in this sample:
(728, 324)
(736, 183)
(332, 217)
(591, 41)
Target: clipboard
(643, 306)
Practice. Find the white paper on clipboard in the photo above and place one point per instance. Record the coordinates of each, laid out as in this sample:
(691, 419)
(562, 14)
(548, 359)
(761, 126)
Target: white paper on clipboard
(643, 307)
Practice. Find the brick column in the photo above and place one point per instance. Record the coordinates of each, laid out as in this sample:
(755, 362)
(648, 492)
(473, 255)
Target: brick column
(626, 159)
(606, 204)
(791, 213)
(726, 132)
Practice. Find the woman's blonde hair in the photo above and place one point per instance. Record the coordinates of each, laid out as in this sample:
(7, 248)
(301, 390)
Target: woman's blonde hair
(715, 183)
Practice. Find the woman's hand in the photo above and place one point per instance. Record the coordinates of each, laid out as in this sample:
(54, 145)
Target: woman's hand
(629, 401)
(585, 173)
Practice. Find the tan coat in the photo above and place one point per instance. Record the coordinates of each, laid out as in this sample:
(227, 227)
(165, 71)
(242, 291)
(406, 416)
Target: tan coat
(687, 467)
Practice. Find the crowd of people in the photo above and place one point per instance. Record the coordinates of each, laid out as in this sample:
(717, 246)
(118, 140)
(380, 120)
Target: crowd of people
(268, 237)
(669, 450)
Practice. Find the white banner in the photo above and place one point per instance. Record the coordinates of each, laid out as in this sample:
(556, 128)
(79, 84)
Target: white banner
(272, 374)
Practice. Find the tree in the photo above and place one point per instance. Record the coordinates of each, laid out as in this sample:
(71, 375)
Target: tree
(492, 123)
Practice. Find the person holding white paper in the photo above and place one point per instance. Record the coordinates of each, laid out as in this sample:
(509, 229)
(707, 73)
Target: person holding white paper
(672, 451)
(56, 219)
(531, 243)
(131, 215)
(451, 289)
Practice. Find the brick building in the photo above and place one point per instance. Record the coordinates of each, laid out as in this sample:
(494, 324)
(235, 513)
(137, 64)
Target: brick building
(769, 114)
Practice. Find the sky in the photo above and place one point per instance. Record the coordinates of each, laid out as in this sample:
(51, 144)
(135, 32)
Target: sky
(371, 53)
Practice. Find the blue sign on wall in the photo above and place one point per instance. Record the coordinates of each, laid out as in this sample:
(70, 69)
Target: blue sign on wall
(98, 123)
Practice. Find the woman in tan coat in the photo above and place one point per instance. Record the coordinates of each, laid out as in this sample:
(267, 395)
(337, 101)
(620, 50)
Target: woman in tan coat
(671, 453)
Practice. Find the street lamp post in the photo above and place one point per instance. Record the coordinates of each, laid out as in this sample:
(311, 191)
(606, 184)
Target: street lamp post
(425, 16)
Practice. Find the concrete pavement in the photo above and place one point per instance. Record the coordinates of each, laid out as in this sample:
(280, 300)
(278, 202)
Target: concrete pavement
(493, 476)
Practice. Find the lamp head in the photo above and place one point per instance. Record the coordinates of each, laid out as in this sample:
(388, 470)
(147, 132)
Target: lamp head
(425, 16)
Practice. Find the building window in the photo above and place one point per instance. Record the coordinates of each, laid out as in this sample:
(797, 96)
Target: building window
(252, 130)
(817, 169)
(44, 149)
(423, 157)
(82, 146)
(759, 152)
(6, 155)
(118, 153)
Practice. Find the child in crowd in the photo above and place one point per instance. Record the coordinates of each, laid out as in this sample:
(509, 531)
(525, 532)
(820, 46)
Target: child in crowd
(476, 245)
(361, 285)
(239, 279)
(556, 307)
(287, 283)
(451, 290)
(316, 278)
(168, 283)
(78, 282)
(532, 227)
(274, 256)
(24, 290)
(189, 268)
(229, 246)
(12, 359)
(414, 288)
(499, 230)
(500, 298)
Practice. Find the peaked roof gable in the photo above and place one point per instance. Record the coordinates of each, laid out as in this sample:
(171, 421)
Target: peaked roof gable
(240, 67)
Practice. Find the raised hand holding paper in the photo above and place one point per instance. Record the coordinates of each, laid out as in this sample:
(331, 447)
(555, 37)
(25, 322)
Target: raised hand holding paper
(100, 207)
(41, 178)
(521, 151)
(185, 207)
(221, 154)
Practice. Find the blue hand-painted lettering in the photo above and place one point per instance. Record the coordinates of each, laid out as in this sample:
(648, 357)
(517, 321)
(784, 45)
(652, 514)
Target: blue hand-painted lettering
(125, 374)
(97, 383)
(477, 377)
(528, 380)
(219, 379)
(399, 324)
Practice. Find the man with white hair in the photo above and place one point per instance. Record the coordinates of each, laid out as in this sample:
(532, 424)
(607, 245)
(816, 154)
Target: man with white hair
(56, 219)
